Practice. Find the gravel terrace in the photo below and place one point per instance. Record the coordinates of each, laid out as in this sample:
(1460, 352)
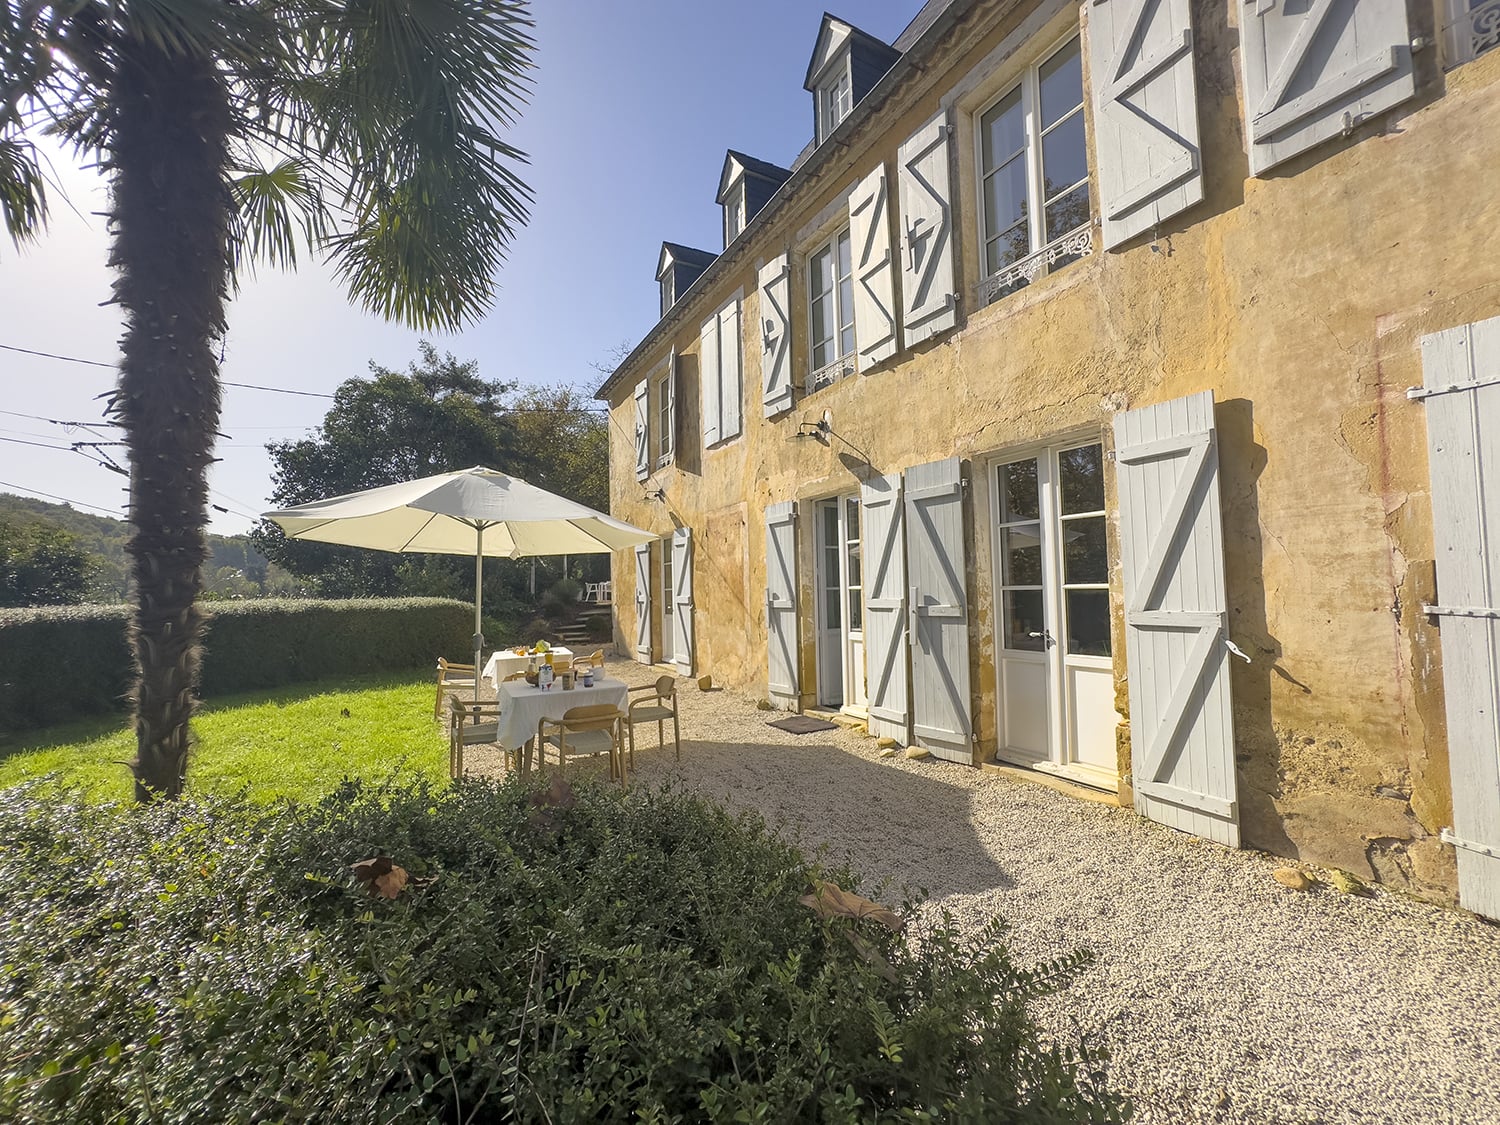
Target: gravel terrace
(1223, 996)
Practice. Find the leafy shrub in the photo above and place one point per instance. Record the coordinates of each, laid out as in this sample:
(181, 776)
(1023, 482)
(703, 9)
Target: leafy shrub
(560, 600)
(583, 957)
(58, 663)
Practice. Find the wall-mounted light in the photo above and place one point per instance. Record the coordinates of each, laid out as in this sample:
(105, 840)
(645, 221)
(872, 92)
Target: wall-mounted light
(655, 494)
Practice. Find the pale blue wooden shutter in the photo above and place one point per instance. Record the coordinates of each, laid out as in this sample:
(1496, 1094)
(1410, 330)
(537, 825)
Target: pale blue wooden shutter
(643, 603)
(781, 605)
(884, 553)
(731, 372)
(682, 599)
(937, 610)
(776, 335)
(1145, 113)
(642, 432)
(708, 375)
(1316, 68)
(929, 301)
(1461, 394)
(1172, 551)
(874, 270)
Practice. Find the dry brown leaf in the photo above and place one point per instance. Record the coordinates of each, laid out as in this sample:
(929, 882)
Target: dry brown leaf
(380, 876)
(371, 868)
(829, 900)
(389, 885)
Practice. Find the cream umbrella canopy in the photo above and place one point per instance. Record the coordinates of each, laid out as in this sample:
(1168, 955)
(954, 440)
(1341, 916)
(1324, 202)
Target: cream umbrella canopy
(475, 512)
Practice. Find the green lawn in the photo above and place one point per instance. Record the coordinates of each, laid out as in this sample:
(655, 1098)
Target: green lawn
(298, 741)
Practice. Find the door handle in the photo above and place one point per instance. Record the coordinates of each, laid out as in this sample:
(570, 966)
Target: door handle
(1044, 636)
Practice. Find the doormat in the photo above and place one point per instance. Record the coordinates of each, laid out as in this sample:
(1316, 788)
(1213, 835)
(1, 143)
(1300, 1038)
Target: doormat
(802, 724)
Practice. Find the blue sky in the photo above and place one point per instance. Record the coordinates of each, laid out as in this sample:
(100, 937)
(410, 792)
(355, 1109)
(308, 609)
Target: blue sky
(633, 108)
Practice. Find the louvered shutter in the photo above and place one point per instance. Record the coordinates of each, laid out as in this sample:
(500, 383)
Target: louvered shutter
(669, 438)
(1461, 394)
(708, 374)
(1172, 551)
(1314, 70)
(937, 609)
(776, 336)
(885, 607)
(781, 605)
(731, 366)
(874, 273)
(928, 299)
(643, 603)
(642, 442)
(682, 599)
(1145, 113)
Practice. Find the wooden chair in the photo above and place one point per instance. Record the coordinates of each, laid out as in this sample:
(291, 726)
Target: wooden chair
(659, 706)
(596, 658)
(593, 729)
(451, 677)
(473, 724)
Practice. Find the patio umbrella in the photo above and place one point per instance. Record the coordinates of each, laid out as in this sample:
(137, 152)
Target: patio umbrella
(477, 511)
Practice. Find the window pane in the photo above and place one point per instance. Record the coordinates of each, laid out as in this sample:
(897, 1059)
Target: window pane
(1018, 497)
(1082, 472)
(1062, 84)
(843, 254)
(1005, 197)
(1084, 555)
(1023, 616)
(1010, 247)
(1021, 555)
(1069, 212)
(820, 272)
(1064, 156)
(831, 607)
(1088, 622)
(1002, 130)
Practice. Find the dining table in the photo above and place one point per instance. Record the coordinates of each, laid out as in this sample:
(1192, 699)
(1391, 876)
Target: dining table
(506, 661)
(523, 705)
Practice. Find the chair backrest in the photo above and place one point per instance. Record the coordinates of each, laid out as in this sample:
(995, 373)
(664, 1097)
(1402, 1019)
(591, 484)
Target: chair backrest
(445, 666)
(594, 716)
(666, 687)
(515, 676)
(596, 658)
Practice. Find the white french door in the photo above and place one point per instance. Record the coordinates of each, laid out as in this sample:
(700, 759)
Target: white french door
(840, 613)
(668, 625)
(1055, 691)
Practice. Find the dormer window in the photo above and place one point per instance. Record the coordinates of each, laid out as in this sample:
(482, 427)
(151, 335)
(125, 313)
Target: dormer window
(734, 215)
(668, 295)
(745, 186)
(834, 101)
(677, 269)
(846, 64)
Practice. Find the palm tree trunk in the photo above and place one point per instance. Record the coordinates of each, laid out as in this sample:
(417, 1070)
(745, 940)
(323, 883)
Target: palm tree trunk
(171, 220)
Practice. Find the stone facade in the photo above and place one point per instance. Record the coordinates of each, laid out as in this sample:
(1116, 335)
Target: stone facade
(1298, 297)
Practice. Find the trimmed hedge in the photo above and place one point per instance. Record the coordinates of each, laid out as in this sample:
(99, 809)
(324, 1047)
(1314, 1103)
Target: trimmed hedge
(556, 956)
(59, 663)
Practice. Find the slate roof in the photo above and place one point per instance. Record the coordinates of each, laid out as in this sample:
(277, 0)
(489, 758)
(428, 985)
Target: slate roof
(687, 255)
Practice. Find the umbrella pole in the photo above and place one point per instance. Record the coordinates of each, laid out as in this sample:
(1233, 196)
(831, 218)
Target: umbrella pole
(478, 595)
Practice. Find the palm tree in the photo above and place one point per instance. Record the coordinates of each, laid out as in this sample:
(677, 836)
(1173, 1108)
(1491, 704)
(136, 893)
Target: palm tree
(234, 133)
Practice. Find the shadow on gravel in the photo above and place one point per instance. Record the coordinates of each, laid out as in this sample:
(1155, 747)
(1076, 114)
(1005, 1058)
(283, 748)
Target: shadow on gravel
(916, 831)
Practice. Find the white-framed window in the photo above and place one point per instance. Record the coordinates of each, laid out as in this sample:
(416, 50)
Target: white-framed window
(668, 293)
(664, 410)
(830, 298)
(1470, 28)
(721, 375)
(734, 215)
(1033, 171)
(835, 100)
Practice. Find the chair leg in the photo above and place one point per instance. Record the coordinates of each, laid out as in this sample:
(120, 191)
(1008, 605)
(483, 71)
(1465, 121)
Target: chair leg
(632, 746)
(676, 734)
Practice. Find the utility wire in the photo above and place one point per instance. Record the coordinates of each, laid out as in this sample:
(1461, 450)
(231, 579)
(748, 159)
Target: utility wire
(64, 499)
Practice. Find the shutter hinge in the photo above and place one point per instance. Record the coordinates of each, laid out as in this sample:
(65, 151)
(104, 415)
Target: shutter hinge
(1447, 837)
(1416, 394)
(1461, 611)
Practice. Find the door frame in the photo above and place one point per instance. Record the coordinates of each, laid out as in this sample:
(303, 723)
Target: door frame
(663, 576)
(1061, 758)
(847, 673)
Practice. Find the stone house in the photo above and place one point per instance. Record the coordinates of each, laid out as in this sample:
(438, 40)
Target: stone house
(1079, 401)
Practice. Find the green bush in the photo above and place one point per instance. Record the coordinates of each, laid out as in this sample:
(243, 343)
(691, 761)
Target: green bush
(638, 957)
(59, 663)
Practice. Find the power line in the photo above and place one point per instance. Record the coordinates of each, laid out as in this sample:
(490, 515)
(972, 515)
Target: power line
(64, 499)
(64, 358)
(112, 367)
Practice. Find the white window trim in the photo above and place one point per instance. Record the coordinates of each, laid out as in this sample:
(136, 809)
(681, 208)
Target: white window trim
(1078, 242)
(1469, 31)
(668, 290)
(843, 363)
(840, 69)
(662, 392)
(736, 199)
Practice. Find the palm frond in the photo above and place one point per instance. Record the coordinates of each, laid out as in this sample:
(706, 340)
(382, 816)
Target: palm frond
(276, 209)
(23, 191)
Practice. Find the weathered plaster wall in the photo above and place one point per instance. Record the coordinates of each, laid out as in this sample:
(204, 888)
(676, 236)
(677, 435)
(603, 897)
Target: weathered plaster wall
(1299, 299)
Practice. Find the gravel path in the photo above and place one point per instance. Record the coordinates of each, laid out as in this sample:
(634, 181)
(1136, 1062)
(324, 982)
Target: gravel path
(1223, 996)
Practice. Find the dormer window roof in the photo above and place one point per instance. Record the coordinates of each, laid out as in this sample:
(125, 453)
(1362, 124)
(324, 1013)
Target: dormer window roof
(846, 63)
(677, 268)
(745, 186)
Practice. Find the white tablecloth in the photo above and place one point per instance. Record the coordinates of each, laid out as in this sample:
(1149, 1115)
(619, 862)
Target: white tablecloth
(523, 706)
(503, 662)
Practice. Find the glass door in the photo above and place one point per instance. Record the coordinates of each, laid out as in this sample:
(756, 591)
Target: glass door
(1055, 671)
(854, 634)
(668, 622)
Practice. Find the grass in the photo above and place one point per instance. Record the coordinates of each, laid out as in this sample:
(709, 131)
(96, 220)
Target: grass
(298, 741)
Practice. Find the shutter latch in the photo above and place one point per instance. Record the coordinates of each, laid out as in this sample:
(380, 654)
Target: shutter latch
(1447, 837)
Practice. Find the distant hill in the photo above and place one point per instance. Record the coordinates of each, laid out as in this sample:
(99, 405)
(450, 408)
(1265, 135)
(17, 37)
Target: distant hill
(235, 568)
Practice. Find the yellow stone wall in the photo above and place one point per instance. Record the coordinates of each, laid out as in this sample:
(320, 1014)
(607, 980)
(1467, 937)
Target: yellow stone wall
(1299, 299)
